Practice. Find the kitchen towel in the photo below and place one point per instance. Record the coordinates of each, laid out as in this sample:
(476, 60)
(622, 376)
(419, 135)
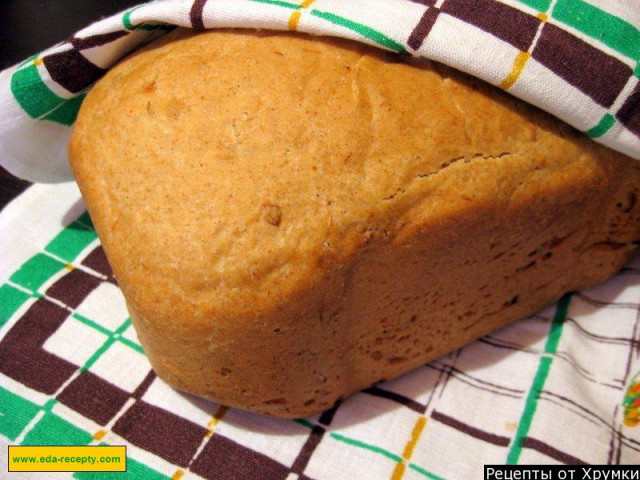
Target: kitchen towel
(577, 59)
(561, 386)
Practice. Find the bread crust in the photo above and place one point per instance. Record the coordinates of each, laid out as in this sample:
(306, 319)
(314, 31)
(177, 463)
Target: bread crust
(292, 218)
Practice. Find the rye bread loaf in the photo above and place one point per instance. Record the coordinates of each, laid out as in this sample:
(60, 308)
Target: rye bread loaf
(293, 218)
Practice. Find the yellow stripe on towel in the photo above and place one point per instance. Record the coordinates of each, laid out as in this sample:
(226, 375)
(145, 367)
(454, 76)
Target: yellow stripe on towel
(518, 66)
(295, 16)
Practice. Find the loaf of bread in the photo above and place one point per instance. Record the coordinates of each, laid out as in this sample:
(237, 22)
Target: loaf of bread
(294, 218)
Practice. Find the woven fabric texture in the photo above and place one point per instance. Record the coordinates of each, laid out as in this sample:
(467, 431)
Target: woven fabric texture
(562, 386)
(577, 59)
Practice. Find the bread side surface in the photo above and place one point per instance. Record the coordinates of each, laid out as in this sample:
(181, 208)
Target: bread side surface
(292, 218)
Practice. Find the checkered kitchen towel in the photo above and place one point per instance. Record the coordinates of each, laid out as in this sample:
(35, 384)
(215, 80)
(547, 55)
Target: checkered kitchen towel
(578, 59)
(560, 386)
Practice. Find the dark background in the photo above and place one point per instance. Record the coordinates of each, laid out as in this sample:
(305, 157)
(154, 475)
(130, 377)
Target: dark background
(28, 27)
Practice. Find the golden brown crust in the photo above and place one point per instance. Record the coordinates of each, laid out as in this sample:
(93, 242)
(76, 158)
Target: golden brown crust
(292, 219)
